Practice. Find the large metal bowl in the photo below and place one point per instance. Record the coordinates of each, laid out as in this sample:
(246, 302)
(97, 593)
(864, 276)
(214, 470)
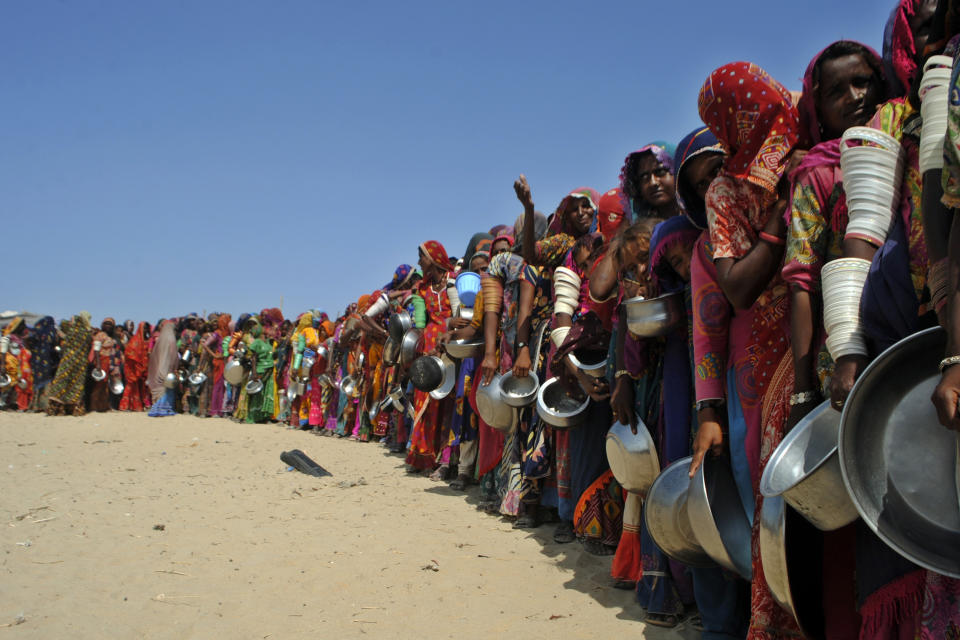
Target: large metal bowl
(197, 378)
(254, 386)
(519, 392)
(792, 554)
(717, 516)
(325, 380)
(633, 457)
(464, 348)
(491, 407)
(557, 408)
(409, 346)
(98, 374)
(400, 323)
(898, 463)
(233, 372)
(655, 317)
(449, 380)
(805, 470)
(665, 514)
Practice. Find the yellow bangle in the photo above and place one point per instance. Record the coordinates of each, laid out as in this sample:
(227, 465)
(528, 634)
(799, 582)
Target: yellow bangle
(620, 373)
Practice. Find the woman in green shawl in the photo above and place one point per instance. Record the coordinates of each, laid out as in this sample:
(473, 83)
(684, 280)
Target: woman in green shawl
(260, 405)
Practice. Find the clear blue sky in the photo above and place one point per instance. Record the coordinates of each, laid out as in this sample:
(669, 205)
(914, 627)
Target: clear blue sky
(163, 157)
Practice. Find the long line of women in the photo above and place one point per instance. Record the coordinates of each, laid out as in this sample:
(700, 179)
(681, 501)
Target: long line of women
(729, 286)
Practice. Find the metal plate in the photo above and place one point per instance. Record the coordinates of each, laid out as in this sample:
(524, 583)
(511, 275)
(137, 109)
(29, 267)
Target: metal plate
(897, 461)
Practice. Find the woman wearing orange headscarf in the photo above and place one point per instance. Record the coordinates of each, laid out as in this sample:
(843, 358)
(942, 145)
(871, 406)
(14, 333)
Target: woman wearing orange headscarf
(428, 428)
(214, 348)
(136, 395)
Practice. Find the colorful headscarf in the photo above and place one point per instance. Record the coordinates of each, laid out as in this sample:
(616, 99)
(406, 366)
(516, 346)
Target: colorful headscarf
(304, 321)
(899, 48)
(663, 152)
(482, 249)
(15, 324)
(473, 246)
(611, 213)
(697, 142)
(810, 133)
(753, 116)
(362, 302)
(328, 327)
(271, 317)
(666, 234)
(401, 276)
(223, 325)
(437, 253)
(503, 236)
(558, 224)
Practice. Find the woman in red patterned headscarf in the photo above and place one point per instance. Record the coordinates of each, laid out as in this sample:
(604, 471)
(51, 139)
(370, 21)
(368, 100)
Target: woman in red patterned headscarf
(136, 395)
(431, 426)
(744, 367)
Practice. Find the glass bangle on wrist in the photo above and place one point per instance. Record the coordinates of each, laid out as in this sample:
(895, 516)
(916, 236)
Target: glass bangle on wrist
(620, 373)
(520, 345)
(803, 397)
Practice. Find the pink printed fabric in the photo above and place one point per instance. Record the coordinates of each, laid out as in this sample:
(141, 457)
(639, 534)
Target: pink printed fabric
(736, 213)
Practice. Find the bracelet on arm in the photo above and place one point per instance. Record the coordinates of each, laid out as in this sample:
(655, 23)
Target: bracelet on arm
(772, 239)
(946, 363)
(803, 397)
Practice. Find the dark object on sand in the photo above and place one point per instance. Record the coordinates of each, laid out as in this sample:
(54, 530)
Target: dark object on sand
(302, 463)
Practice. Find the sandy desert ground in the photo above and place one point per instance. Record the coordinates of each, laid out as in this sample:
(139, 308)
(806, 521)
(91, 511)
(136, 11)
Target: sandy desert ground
(121, 526)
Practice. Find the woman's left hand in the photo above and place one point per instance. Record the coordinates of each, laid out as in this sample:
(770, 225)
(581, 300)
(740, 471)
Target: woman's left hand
(596, 388)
